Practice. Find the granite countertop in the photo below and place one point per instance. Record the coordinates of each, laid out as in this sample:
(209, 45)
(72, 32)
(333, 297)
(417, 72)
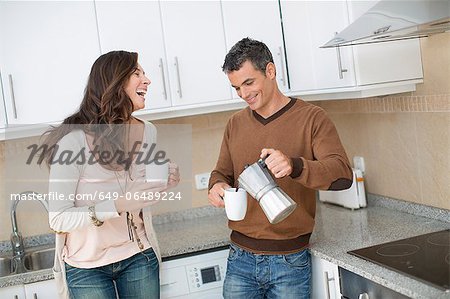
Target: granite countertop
(337, 231)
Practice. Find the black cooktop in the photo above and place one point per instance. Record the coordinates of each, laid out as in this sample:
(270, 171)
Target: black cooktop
(425, 257)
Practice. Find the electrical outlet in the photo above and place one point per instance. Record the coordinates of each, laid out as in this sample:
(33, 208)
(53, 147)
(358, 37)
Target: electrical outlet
(201, 180)
(358, 163)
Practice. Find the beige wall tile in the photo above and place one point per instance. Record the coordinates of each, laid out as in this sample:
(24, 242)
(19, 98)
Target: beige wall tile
(436, 65)
(433, 131)
(387, 141)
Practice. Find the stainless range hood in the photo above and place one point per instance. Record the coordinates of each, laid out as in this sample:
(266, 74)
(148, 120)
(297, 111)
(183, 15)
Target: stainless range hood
(392, 20)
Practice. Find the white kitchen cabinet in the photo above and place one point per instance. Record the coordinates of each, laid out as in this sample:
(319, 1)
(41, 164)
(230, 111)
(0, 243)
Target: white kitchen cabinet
(259, 20)
(307, 26)
(325, 279)
(344, 72)
(195, 48)
(41, 290)
(46, 53)
(387, 61)
(14, 292)
(136, 26)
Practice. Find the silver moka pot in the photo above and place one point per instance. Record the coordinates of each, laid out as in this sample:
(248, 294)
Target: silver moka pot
(259, 183)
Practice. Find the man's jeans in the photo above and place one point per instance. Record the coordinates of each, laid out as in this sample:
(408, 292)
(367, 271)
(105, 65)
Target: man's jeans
(135, 277)
(252, 276)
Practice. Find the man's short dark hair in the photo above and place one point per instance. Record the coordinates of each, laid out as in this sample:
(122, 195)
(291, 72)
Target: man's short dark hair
(247, 49)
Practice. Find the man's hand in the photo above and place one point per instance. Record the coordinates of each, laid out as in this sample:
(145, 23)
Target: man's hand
(277, 162)
(216, 194)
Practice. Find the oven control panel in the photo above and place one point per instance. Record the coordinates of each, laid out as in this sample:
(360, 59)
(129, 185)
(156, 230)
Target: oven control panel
(207, 275)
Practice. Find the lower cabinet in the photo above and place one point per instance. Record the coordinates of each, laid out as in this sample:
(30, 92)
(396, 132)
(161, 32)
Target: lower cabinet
(39, 290)
(325, 279)
(14, 292)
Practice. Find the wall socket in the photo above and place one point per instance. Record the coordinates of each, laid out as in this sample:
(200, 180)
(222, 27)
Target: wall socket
(201, 180)
(358, 163)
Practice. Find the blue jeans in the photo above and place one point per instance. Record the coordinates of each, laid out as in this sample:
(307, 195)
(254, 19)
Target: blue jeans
(135, 277)
(252, 276)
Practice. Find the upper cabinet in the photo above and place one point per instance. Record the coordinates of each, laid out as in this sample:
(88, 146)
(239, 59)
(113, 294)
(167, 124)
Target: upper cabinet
(46, 53)
(195, 49)
(136, 27)
(343, 72)
(260, 21)
(307, 26)
(387, 61)
(48, 47)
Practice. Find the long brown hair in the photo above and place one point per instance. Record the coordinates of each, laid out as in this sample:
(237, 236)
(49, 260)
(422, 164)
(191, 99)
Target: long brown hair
(104, 103)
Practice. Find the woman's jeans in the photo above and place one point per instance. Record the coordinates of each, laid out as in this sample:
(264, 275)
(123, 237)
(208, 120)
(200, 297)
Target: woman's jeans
(252, 276)
(135, 277)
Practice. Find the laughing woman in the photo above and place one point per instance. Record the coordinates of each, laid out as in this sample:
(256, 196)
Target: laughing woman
(105, 242)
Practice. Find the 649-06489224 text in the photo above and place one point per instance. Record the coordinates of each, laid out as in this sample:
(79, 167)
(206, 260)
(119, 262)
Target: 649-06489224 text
(101, 195)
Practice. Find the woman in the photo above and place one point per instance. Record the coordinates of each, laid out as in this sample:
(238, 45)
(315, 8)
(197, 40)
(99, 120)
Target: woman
(105, 241)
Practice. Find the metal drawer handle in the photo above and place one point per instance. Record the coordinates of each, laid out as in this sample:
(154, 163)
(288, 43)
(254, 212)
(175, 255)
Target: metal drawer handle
(168, 283)
(178, 77)
(339, 60)
(13, 97)
(161, 65)
(327, 283)
(283, 73)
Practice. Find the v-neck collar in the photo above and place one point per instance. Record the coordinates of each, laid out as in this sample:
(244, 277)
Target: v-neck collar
(274, 116)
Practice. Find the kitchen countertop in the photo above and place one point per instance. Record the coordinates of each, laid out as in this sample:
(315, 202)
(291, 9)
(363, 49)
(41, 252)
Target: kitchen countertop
(337, 231)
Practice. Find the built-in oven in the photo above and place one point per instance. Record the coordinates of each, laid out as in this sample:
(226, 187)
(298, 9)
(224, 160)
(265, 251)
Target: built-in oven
(354, 286)
(198, 275)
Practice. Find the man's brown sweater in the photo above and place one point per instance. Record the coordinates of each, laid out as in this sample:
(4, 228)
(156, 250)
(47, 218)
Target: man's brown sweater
(303, 132)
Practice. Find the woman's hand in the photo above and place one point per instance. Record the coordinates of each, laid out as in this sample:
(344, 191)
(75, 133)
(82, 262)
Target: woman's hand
(174, 175)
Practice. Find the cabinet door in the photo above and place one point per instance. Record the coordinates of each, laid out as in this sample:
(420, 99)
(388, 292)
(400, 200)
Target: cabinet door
(384, 62)
(307, 26)
(46, 53)
(195, 47)
(14, 292)
(325, 279)
(41, 290)
(332, 68)
(136, 26)
(259, 20)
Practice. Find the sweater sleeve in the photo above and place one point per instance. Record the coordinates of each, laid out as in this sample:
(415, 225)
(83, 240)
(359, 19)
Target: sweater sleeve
(329, 169)
(223, 172)
(64, 216)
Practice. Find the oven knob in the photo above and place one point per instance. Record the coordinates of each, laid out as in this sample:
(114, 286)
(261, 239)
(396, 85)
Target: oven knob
(364, 296)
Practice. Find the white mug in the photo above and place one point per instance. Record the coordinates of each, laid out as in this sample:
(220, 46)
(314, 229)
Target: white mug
(235, 203)
(157, 173)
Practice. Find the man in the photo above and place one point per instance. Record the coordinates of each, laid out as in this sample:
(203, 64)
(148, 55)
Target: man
(303, 152)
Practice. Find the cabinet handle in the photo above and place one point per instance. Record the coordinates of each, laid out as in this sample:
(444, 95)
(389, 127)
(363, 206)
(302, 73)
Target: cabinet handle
(13, 98)
(327, 283)
(161, 65)
(339, 60)
(35, 296)
(283, 73)
(178, 77)
(363, 296)
(16, 297)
